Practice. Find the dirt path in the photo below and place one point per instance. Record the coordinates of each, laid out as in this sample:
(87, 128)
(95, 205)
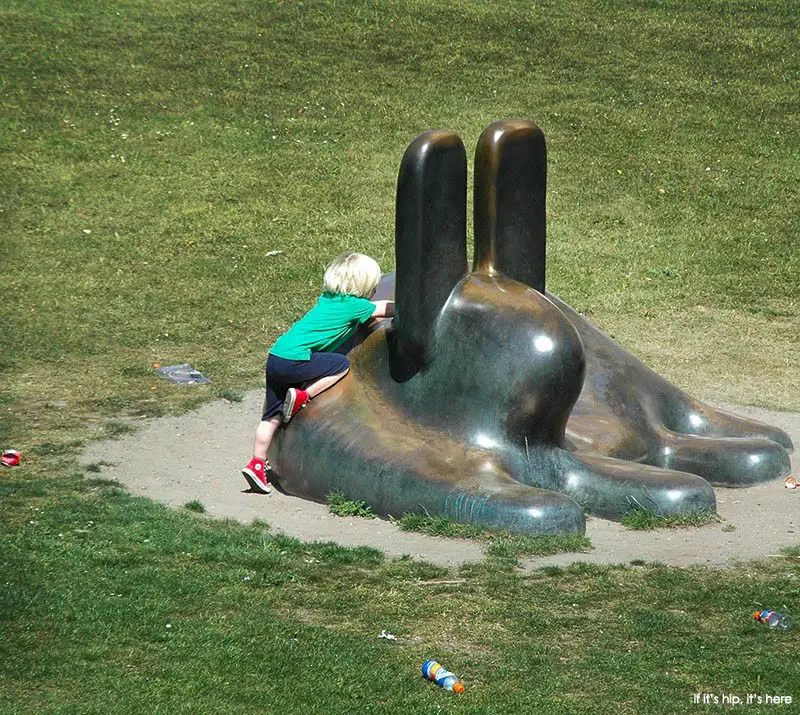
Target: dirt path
(175, 460)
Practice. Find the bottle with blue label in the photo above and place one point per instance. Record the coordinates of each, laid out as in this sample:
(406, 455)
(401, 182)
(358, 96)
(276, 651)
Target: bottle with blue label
(779, 621)
(443, 678)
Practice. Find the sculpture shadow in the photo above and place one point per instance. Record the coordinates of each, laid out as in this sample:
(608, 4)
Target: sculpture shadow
(491, 401)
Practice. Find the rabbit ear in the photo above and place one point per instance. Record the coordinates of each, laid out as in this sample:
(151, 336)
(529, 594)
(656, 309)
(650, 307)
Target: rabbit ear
(510, 187)
(430, 236)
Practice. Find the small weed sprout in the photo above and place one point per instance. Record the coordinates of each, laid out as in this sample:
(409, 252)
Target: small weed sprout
(340, 505)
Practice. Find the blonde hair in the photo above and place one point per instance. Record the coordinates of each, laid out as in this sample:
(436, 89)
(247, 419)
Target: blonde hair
(352, 274)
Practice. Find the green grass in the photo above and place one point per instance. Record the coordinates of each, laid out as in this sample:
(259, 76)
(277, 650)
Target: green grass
(173, 178)
(97, 467)
(229, 395)
(175, 266)
(646, 519)
(499, 543)
(106, 591)
(440, 526)
(340, 505)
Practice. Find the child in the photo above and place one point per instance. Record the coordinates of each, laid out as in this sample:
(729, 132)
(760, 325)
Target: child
(301, 364)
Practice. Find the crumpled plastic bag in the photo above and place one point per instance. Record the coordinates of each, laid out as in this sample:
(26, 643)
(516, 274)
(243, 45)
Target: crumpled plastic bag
(183, 374)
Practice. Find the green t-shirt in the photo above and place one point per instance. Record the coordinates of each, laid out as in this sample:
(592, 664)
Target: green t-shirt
(333, 319)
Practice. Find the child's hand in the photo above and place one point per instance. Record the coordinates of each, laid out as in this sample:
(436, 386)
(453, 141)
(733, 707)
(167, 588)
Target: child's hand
(383, 309)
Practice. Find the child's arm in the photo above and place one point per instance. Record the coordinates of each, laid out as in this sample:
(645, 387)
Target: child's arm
(383, 309)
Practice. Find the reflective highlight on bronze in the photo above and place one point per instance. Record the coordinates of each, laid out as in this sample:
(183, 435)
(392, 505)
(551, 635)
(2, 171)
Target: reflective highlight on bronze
(493, 402)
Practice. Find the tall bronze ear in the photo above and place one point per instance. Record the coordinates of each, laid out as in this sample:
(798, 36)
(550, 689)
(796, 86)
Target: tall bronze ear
(510, 188)
(430, 236)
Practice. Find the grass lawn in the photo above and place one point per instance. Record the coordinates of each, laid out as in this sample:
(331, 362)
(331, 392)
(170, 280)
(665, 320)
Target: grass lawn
(173, 178)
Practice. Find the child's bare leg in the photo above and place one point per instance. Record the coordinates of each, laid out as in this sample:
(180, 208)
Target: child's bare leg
(264, 434)
(324, 383)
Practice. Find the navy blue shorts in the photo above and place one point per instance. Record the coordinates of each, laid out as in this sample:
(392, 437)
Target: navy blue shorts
(283, 374)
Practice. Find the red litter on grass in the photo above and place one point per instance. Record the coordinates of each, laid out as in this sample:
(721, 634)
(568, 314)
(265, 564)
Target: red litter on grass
(11, 457)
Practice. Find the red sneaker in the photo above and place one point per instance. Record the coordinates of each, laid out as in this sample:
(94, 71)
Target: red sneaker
(256, 475)
(296, 400)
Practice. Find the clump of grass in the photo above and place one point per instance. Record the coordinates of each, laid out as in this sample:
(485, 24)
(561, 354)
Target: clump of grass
(340, 505)
(500, 543)
(552, 571)
(115, 402)
(151, 410)
(97, 467)
(117, 429)
(57, 449)
(227, 394)
(136, 371)
(646, 519)
(195, 506)
(507, 545)
(439, 526)
(101, 483)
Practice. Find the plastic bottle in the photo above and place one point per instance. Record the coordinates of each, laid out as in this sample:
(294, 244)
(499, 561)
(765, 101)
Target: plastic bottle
(443, 678)
(774, 619)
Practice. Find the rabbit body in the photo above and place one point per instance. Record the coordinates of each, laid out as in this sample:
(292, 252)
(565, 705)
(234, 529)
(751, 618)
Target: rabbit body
(490, 401)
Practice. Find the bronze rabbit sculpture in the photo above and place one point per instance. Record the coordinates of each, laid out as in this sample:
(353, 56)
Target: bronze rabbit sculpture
(490, 401)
